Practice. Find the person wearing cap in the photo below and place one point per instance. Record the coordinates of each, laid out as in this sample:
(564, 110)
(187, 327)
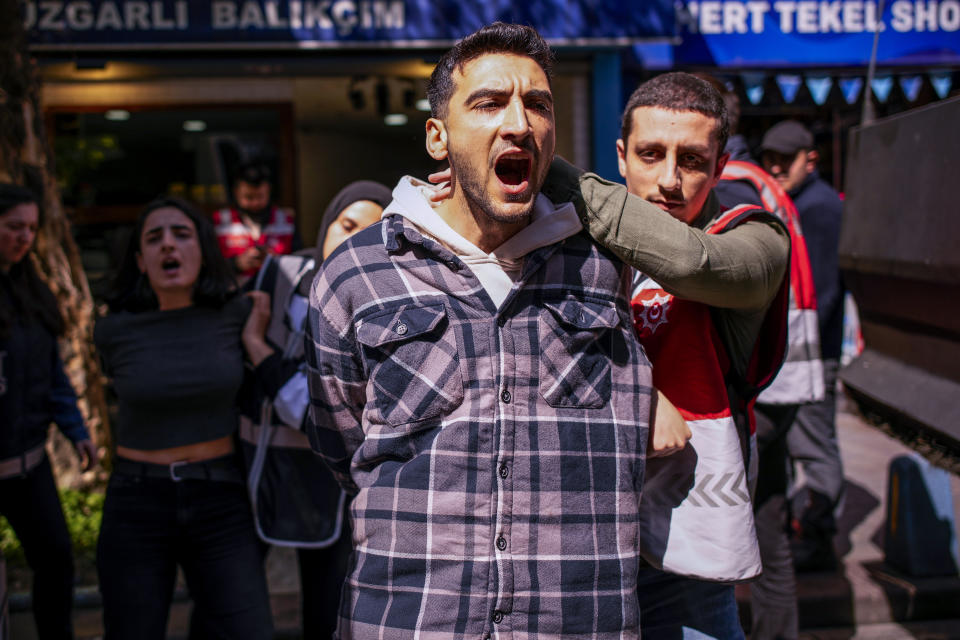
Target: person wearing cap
(789, 155)
(296, 502)
(253, 227)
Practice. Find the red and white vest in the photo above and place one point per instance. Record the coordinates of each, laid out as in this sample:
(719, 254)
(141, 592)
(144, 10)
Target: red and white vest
(696, 513)
(801, 378)
(235, 237)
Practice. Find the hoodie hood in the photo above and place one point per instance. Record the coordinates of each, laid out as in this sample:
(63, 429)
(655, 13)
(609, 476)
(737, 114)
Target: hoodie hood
(501, 267)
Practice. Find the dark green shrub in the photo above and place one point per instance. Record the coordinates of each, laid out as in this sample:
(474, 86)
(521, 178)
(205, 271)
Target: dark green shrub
(83, 511)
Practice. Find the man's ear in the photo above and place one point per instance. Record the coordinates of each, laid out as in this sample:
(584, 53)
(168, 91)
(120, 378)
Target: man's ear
(721, 164)
(436, 139)
(812, 159)
(622, 157)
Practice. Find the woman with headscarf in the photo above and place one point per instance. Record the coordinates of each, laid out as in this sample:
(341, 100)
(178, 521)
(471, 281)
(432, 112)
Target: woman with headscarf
(296, 501)
(34, 391)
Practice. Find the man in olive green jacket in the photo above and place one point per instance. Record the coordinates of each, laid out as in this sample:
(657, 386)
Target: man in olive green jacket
(671, 155)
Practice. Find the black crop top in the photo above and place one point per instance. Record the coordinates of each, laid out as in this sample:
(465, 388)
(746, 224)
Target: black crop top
(176, 373)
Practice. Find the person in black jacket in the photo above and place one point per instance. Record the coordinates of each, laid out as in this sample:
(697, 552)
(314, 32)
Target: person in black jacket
(34, 391)
(789, 155)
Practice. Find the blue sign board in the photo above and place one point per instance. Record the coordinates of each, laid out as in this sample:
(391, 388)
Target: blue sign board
(822, 33)
(244, 24)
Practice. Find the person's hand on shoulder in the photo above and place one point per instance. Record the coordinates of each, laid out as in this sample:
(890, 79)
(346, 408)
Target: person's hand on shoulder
(444, 187)
(669, 432)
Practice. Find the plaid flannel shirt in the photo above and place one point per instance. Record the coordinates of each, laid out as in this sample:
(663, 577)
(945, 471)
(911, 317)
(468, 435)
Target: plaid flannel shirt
(497, 455)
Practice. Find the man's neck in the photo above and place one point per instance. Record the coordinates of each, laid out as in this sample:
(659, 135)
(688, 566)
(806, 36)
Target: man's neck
(475, 226)
(708, 212)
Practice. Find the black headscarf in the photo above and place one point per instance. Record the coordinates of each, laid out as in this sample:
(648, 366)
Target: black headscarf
(353, 192)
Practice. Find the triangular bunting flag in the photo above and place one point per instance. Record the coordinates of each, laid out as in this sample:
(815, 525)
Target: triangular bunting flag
(911, 85)
(789, 86)
(753, 86)
(882, 85)
(942, 81)
(819, 87)
(850, 87)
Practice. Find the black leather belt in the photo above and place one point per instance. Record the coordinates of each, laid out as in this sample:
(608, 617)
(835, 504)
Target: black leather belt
(222, 469)
(18, 466)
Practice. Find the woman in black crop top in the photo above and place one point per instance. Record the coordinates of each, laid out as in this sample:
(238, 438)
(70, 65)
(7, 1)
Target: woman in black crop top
(177, 497)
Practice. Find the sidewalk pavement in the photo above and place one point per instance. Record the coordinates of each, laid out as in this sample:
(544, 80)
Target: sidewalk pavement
(865, 599)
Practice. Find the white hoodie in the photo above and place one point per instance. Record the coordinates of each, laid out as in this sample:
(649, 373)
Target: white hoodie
(499, 269)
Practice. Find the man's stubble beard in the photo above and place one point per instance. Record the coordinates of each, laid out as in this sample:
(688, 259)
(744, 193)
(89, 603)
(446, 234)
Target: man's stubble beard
(479, 200)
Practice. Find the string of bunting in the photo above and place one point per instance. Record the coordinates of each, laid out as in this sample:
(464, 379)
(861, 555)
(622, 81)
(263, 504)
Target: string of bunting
(850, 87)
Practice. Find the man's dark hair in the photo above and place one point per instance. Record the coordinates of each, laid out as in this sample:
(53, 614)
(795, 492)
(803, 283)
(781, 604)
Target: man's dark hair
(215, 283)
(254, 173)
(499, 37)
(679, 91)
(29, 299)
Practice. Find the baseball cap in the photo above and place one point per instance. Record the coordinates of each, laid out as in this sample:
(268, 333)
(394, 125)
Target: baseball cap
(787, 137)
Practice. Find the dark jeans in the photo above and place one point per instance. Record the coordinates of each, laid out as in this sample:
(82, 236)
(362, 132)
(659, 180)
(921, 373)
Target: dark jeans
(32, 506)
(150, 526)
(675, 607)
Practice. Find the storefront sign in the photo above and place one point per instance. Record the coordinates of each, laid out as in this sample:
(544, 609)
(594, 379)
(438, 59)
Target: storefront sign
(127, 24)
(783, 33)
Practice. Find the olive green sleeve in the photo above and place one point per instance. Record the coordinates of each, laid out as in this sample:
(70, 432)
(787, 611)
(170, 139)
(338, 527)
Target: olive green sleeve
(739, 269)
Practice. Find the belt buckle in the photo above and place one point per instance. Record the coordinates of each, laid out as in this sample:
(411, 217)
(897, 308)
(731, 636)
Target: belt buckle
(173, 470)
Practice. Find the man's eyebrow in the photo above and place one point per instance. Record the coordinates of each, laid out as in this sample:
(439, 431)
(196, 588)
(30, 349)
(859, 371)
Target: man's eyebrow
(479, 94)
(695, 148)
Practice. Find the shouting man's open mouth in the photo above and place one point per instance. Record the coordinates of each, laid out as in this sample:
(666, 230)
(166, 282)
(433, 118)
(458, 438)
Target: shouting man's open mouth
(513, 171)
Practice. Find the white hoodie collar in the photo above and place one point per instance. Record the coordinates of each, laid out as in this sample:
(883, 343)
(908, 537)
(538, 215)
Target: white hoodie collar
(549, 224)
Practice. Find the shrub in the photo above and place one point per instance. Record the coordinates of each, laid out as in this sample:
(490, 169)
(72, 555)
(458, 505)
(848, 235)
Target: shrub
(83, 511)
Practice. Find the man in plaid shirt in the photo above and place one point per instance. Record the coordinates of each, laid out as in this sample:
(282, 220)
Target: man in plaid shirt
(476, 383)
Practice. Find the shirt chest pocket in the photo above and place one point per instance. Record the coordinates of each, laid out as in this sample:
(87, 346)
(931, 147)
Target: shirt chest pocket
(576, 339)
(413, 363)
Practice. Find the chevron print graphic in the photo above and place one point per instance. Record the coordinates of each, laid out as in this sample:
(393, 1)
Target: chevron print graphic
(712, 490)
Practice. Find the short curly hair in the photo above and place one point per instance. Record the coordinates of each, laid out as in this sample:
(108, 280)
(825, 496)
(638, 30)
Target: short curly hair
(679, 91)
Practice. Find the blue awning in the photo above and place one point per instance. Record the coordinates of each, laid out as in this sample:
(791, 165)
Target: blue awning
(812, 33)
(265, 24)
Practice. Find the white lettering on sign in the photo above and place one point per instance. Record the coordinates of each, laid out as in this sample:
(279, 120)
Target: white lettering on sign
(344, 16)
(920, 15)
(81, 15)
(715, 17)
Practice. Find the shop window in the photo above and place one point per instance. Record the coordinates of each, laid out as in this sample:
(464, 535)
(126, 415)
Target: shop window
(111, 162)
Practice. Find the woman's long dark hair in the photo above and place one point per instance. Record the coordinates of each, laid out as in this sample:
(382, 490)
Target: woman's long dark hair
(215, 284)
(30, 300)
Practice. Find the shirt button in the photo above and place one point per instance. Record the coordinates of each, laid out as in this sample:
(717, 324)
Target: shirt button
(505, 396)
(497, 617)
(504, 472)
(501, 543)
(401, 329)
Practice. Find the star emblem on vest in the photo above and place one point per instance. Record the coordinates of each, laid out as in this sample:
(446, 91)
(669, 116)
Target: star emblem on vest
(650, 311)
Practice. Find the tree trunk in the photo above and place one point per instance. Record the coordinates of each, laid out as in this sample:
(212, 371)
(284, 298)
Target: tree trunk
(26, 158)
